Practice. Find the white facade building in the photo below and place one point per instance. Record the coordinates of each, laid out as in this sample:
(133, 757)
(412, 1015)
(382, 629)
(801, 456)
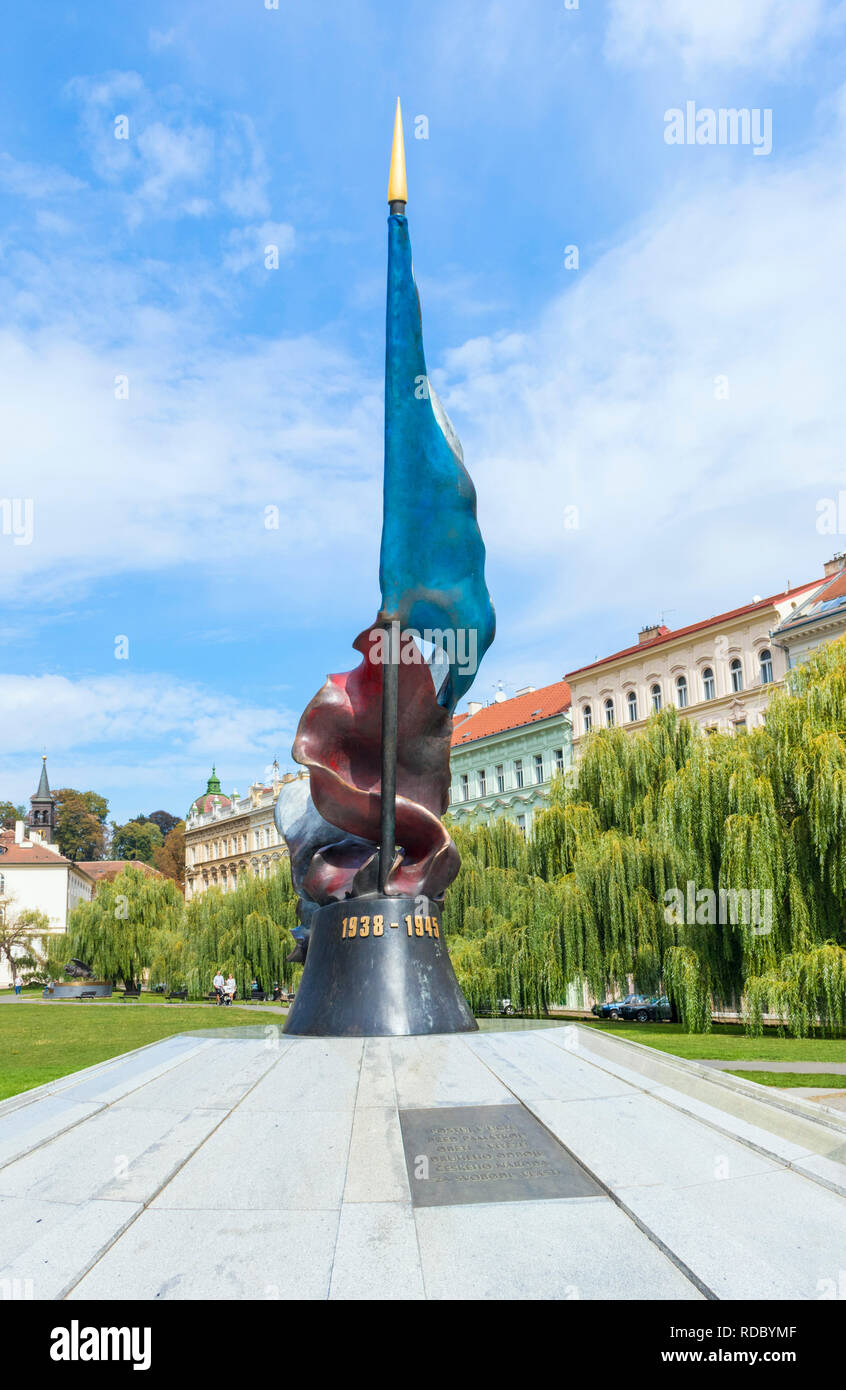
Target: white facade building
(34, 875)
(229, 837)
(718, 672)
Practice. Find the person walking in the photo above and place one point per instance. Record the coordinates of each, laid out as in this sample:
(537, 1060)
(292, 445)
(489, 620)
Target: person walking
(217, 984)
(17, 983)
(230, 988)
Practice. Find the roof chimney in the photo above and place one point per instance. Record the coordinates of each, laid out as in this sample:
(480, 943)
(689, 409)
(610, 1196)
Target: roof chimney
(473, 707)
(651, 631)
(19, 832)
(834, 565)
(527, 690)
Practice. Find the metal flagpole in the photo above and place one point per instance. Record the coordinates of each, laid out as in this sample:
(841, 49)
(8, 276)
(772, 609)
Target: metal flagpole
(397, 198)
(390, 711)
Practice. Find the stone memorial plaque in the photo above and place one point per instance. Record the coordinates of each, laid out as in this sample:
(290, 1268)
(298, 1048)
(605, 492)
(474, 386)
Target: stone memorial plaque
(487, 1153)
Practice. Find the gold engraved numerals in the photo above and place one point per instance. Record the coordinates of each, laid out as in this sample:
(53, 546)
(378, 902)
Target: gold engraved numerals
(422, 926)
(360, 927)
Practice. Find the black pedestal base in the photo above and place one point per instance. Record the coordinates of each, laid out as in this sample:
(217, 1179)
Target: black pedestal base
(378, 967)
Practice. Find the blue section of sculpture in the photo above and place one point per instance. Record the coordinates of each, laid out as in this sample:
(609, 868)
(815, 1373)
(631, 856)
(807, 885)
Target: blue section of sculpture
(432, 567)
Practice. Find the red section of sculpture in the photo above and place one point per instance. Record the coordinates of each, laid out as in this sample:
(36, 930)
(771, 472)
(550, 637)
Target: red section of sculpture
(339, 741)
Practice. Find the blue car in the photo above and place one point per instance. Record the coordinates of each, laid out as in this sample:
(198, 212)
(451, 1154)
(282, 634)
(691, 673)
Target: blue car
(616, 1006)
(645, 1009)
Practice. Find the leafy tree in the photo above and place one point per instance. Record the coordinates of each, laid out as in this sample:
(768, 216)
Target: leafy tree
(163, 819)
(246, 932)
(130, 922)
(17, 933)
(81, 823)
(136, 840)
(651, 819)
(9, 813)
(169, 858)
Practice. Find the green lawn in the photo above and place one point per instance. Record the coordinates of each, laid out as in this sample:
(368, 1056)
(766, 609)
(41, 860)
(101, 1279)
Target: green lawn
(40, 1042)
(821, 1079)
(728, 1042)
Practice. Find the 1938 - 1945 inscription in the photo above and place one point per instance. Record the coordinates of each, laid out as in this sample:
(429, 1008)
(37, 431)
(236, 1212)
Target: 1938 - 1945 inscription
(487, 1153)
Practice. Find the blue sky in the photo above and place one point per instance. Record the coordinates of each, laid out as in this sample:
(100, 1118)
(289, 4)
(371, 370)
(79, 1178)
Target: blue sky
(581, 396)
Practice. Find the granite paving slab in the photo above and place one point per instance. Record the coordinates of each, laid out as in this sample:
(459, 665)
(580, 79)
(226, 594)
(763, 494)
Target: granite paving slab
(250, 1165)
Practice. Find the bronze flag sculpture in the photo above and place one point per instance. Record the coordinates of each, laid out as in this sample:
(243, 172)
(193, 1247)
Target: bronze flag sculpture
(370, 856)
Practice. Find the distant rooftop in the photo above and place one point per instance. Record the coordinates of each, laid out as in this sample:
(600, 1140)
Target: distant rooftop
(528, 708)
(665, 635)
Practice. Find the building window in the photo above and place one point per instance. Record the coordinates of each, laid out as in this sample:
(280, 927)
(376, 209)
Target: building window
(518, 772)
(766, 660)
(740, 724)
(609, 713)
(655, 696)
(587, 716)
(736, 674)
(500, 777)
(559, 760)
(483, 782)
(521, 825)
(539, 768)
(631, 701)
(681, 692)
(465, 787)
(708, 685)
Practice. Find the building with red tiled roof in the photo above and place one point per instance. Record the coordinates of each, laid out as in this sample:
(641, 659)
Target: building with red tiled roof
(101, 870)
(34, 875)
(719, 671)
(819, 618)
(504, 755)
(228, 838)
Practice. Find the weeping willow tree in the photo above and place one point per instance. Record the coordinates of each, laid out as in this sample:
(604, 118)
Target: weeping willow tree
(126, 926)
(806, 988)
(714, 866)
(246, 933)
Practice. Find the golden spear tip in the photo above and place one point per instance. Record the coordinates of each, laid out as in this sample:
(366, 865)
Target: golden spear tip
(397, 192)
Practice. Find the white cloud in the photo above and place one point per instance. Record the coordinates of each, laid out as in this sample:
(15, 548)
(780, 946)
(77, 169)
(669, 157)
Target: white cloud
(762, 34)
(148, 737)
(244, 173)
(35, 181)
(184, 469)
(247, 247)
(171, 159)
(611, 405)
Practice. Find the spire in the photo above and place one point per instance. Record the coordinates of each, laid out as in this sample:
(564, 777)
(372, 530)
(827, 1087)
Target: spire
(397, 191)
(44, 793)
(42, 814)
(213, 787)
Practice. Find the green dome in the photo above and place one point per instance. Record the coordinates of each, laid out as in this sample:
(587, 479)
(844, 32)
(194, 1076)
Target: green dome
(211, 797)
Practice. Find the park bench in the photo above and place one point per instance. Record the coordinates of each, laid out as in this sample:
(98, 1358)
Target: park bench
(87, 994)
(178, 994)
(133, 993)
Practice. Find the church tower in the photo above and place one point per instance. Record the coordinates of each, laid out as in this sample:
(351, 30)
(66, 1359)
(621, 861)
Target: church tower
(42, 815)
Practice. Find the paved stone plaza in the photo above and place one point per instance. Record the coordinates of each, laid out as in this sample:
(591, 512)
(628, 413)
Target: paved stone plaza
(251, 1165)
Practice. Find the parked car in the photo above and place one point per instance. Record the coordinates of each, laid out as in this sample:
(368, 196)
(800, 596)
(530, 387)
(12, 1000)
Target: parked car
(646, 1010)
(616, 1006)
